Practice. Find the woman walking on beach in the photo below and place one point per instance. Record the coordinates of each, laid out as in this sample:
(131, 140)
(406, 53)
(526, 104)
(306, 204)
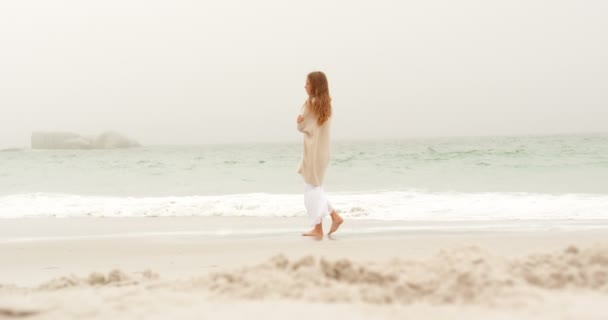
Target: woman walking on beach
(314, 122)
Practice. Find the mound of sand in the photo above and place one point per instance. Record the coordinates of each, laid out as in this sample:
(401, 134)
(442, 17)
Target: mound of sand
(464, 279)
(113, 278)
(467, 275)
(459, 276)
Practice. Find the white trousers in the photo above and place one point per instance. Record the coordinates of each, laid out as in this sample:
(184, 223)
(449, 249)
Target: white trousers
(316, 203)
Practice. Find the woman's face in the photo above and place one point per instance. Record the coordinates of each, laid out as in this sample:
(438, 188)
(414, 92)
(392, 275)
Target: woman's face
(308, 87)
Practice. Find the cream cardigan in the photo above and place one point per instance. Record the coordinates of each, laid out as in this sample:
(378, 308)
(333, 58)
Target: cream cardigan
(315, 155)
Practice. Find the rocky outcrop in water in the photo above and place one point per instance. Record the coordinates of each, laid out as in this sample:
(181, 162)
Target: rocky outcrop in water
(68, 140)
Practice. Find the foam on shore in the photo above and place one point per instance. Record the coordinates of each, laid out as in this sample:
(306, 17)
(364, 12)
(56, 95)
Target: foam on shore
(390, 206)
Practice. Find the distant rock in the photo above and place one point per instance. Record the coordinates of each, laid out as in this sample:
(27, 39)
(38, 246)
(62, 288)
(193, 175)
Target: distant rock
(68, 140)
(113, 140)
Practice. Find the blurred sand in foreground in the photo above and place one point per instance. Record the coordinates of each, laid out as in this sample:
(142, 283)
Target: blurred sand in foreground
(191, 268)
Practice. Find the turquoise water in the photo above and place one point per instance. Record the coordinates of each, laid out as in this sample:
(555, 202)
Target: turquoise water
(541, 164)
(512, 177)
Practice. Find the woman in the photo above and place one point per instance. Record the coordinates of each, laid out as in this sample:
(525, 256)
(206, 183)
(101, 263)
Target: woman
(314, 123)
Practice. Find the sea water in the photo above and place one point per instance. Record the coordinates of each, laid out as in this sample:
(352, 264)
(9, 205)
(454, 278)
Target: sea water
(464, 178)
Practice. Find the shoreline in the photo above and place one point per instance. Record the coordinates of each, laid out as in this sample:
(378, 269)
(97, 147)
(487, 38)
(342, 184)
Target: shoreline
(36, 249)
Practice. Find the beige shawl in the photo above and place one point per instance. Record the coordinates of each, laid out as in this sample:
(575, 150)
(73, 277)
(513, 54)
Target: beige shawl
(315, 155)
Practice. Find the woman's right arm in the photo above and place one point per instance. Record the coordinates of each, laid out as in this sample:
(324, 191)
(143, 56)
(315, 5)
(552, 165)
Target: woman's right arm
(303, 121)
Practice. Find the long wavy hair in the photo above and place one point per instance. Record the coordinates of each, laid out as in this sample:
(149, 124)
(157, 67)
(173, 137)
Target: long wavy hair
(319, 101)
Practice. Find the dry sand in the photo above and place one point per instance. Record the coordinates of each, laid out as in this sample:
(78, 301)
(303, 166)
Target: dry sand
(191, 268)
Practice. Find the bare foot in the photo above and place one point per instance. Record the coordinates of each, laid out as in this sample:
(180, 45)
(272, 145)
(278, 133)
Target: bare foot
(336, 221)
(313, 233)
(316, 232)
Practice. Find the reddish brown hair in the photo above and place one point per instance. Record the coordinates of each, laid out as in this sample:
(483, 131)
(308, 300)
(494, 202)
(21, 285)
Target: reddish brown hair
(319, 101)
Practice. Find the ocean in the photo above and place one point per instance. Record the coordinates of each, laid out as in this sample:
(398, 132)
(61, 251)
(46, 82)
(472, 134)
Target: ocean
(464, 178)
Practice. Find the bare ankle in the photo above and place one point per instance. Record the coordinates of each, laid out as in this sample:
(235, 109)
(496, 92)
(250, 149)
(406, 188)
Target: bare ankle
(335, 216)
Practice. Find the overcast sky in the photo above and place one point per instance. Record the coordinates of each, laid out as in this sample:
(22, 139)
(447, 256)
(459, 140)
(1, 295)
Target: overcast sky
(192, 72)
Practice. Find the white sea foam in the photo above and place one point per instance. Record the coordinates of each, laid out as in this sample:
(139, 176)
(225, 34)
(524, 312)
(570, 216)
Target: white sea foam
(412, 205)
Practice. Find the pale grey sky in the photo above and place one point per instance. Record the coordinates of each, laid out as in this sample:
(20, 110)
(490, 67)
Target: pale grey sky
(190, 72)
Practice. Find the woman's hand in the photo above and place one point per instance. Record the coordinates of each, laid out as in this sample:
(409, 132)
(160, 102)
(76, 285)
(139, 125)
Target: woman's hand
(300, 119)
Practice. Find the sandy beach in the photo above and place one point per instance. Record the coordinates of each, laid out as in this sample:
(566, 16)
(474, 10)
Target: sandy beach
(157, 268)
(162, 159)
